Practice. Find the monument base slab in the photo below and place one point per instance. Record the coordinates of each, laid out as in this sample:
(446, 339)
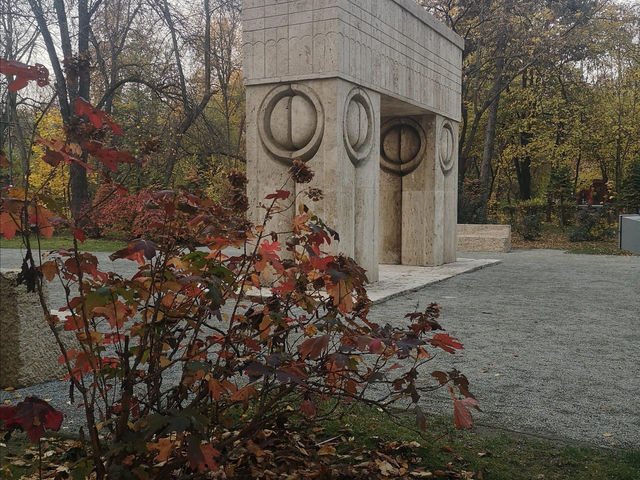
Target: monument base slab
(396, 280)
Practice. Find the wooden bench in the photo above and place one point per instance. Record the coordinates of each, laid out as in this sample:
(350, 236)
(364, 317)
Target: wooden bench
(483, 238)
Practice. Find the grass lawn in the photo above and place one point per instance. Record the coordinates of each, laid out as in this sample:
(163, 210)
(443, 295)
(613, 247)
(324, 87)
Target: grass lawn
(66, 241)
(442, 452)
(498, 455)
(554, 237)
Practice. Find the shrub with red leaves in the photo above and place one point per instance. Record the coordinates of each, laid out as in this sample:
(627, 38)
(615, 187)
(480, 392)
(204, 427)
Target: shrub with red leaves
(125, 214)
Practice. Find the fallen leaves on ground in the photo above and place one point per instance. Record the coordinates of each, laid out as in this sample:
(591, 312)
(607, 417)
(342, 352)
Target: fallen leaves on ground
(289, 456)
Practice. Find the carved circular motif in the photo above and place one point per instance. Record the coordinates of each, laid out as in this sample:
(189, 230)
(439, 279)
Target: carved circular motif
(291, 122)
(402, 145)
(358, 128)
(446, 147)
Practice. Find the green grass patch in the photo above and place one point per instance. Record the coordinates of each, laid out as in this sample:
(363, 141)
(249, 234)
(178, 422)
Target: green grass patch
(592, 248)
(499, 456)
(66, 241)
(557, 238)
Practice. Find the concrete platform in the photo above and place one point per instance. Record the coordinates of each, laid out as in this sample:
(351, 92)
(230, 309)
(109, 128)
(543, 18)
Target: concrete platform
(398, 279)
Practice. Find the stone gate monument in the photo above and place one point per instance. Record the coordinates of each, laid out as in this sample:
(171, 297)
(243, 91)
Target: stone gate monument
(368, 93)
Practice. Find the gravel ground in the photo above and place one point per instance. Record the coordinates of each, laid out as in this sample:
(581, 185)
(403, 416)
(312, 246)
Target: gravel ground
(552, 343)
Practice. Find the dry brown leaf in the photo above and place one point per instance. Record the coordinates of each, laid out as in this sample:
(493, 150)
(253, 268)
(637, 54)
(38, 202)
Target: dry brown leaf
(424, 474)
(327, 450)
(386, 468)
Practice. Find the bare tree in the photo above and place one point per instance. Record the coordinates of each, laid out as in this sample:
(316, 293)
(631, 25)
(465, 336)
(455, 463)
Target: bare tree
(18, 36)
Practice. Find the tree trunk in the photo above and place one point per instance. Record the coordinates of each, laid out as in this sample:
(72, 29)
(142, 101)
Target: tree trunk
(487, 155)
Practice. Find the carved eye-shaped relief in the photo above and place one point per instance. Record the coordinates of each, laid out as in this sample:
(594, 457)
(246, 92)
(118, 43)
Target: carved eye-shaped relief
(358, 125)
(402, 146)
(291, 122)
(446, 147)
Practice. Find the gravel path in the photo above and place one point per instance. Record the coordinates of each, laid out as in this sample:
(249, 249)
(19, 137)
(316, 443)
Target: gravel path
(552, 343)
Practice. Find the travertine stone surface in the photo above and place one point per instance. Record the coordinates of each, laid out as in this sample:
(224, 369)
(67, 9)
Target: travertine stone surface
(422, 199)
(347, 172)
(28, 350)
(368, 93)
(484, 238)
(391, 46)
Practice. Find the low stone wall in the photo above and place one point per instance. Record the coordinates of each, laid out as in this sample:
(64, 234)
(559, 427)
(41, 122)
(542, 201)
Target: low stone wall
(484, 238)
(28, 350)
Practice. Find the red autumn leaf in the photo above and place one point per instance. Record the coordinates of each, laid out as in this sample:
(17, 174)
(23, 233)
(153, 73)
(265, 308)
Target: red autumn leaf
(321, 263)
(69, 355)
(73, 322)
(85, 262)
(285, 287)
(308, 408)
(137, 250)
(446, 342)
(91, 147)
(267, 252)
(24, 73)
(111, 157)
(7, 412)
(79, 235)
(280, 195)
(376, 346)
(313, 347)
(96, 117)
(33, 416)
(9, 225)
(52, 157)
(461, 414)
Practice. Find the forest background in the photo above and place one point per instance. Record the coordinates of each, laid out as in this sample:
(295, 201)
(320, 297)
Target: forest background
(550, 113)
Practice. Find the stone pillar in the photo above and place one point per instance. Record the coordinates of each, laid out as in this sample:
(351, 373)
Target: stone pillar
(418, 190)
(332, 125)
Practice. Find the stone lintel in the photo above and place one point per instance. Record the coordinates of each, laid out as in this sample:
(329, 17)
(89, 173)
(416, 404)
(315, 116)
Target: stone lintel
(392, 47)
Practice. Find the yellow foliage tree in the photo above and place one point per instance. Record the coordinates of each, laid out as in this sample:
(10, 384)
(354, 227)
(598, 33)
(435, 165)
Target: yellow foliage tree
(45, 179)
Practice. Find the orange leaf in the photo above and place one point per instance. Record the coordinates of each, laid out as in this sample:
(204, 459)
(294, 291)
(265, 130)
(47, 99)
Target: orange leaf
(41, 217)
(9, 225)
(446, 342)
(163, 446)
(244, 394)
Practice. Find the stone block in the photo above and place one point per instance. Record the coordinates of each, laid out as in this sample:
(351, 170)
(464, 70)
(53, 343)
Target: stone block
(28, 350)
(484, 238)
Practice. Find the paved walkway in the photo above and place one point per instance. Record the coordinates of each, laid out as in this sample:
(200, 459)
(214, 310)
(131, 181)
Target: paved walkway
(552, 343)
